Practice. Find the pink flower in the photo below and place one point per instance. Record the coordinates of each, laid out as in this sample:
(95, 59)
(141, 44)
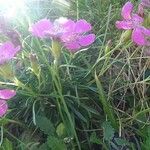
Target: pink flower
(134, 22)
(71, 33)
(5, 94)
(45, 28)
(8, 51)
(75, 37)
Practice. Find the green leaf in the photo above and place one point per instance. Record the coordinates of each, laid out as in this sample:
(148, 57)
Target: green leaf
(108, 131)
(61, 131)
(55, 143)
(121, 142)
(45, 125)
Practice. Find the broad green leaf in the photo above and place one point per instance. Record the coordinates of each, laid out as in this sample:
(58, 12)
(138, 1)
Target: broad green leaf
(121, 142)
(45, 125)
(60, 130)
(108, 131)
(55, 143)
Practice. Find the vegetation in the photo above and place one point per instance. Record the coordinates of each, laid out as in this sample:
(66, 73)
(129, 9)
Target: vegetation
(96, 98)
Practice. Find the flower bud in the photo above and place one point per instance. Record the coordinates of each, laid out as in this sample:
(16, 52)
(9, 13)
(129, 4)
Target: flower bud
(147, 20)
(108, 47)
(6, 71)
(126, 36)
(34, 64)
(141, 10)
(56, 49)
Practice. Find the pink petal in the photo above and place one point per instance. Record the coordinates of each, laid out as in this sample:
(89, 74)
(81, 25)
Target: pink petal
(145, 31)
(138, 37)
(68, 37)
(59, 27)
(3, 107)
(126, 10)
(69, 26)
(7, 51)
(82, 26)
(126, 25)
(73, 46)
(137, 19)
(61, 21)
(87, 40)
(38, 29)
(7, 94)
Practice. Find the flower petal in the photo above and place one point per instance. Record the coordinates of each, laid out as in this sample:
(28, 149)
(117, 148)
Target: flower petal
(126, 25)
(38, 29)
(3, 107)
(7, 51)
(68, 37)
(61, 21)
(137, 19)
(82, 26)
(138, 36)
(126, 10)
(7, 94)
(69, 26)
(60, 26)
(145, 31)
(87, 40)
(72, 46)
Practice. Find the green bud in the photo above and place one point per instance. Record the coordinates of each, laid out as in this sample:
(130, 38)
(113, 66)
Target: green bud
(6, 71)
(126, 36)
(108, 47)
(56, 49)
(147, 21)
(34, 64)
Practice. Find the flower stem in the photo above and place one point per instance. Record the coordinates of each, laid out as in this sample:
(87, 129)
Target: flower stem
(56, 79)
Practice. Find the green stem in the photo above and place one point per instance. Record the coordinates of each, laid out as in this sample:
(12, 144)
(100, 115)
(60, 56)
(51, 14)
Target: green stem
(2, 135)
(57, 82)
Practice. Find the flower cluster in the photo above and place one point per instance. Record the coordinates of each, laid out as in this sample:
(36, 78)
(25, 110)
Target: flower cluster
(132, 21)
(74, 35)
